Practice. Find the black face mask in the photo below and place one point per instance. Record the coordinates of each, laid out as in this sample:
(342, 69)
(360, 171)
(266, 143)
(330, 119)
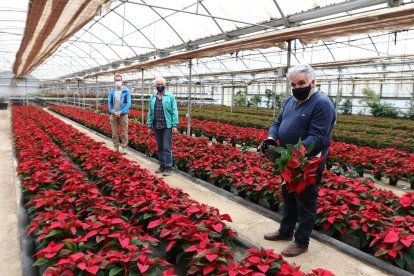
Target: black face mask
(302, 93)
(160, 88)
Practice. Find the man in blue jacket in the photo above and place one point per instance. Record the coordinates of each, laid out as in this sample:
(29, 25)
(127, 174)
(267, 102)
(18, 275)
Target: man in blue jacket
(309, 115)
(163, 119)
(119, 102)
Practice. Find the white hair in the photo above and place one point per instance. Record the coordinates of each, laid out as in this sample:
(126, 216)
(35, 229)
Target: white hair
(301, 68)
(159, 79)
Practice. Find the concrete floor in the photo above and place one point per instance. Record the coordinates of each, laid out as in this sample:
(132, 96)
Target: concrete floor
(253, 226)
(9, 232)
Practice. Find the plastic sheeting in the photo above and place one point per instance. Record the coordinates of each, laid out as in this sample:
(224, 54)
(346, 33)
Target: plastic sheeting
(49, 23)
(374, 22)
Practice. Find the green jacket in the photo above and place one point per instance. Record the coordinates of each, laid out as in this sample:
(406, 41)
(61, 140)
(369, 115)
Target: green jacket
(170, 110)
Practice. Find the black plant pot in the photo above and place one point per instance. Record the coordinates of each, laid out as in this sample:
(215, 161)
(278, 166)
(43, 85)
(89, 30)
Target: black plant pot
(377, 176)
(242, 194)
(393, 181)
(274, 206)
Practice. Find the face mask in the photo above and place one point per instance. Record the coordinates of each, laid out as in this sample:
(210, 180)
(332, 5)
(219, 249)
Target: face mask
(118, 83)
(301, 93)
(160, 88)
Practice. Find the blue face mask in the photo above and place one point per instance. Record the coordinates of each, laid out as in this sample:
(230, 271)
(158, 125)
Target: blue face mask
(160, 88)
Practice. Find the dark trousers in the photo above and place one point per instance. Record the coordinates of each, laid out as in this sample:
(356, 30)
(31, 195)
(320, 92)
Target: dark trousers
(164, 144)
(301, 209)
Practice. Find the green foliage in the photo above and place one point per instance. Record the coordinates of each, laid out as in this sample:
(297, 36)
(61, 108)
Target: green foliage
(378, 109)
(269, 95)
(279, 99)
(256, 100)
(346, 107)
(240, 99)
(410, 114)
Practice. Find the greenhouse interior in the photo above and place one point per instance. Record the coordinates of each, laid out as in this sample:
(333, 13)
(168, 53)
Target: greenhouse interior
(206, 137)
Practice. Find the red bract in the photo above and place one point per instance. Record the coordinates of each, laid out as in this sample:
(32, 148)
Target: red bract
(155, 206)
(391, 244)
(250, 173)
(299, 170)
(50, 251)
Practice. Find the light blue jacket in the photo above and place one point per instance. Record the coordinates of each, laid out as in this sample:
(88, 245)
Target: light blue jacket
(169, 105)
(125, 103)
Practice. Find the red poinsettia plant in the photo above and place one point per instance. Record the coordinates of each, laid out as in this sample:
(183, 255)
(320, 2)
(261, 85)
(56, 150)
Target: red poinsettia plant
(296, 167)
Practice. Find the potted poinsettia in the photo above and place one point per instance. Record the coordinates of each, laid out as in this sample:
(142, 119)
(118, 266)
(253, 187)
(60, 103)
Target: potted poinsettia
(296, 167)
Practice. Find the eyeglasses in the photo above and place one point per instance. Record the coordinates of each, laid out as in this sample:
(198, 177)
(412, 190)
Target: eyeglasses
(160, 84)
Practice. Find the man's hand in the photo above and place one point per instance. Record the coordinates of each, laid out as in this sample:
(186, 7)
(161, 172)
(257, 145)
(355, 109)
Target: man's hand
(174, 130)
(268, 149)
(266, 143)
(150, 131)
(117, 114)
(271, 154)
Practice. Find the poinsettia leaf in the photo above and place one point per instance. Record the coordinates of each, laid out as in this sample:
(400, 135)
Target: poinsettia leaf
(263, 268)
(310, 149)
(76, 257)
(218, 227)
(170, 245)
(406, 256)
(392, 253)
(208, 269)
(53, 233)
(124, 242)
(81, 266)
(391, 237)
(115, 270)
(93, 269)
(154, 223)
(69, 245)
(381, 252)
(400, 262)
(191, 248)
(254, 259)
(142, 267)
(67, 272)
(226, 217)
(406, 242)
(211, 257)
(40, 262)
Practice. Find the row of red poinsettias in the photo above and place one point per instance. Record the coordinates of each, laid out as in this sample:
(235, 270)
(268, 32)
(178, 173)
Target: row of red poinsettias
(221, 132)
(76, 227)
(346, 206)
(390, 162)
(105, 216)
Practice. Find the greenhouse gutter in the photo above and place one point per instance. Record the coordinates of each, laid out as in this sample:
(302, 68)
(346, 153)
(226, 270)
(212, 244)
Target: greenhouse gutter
(356, 253)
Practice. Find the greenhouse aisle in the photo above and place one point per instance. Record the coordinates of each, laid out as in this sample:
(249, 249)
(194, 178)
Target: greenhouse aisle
(252, 225)
(9, 233)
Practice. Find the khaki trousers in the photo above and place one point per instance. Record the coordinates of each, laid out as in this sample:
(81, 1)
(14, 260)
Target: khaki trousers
(119, 123)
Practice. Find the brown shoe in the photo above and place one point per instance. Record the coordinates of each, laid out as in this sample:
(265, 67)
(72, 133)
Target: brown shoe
(161, 169)
(293, 250)
(275, 236)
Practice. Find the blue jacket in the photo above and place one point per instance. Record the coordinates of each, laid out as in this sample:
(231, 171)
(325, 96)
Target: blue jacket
(312, 121)
(125, 103)
(169, 105)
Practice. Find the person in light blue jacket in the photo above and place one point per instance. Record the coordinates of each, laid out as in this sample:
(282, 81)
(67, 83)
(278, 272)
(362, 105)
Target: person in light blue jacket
(119, 102)
(163, 120)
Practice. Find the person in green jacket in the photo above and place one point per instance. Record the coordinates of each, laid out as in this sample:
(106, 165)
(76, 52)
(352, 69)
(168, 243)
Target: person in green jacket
(163, 120)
